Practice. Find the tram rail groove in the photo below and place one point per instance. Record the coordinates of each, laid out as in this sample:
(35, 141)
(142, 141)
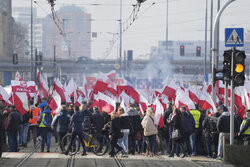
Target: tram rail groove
(118, 162)
(29, 155)
(71, 161)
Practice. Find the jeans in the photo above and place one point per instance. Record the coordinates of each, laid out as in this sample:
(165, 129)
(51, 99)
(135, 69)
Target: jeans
(208, 146)
(220, 146)
(20, 133)
(123, 142)
(73, 137)
(13, 141)
(114, 145)
(34, 130)
(25, 132)
(193, 141)
(186, 138)
(46, 137)
(151, 143)
(131, 143)
(60, 137)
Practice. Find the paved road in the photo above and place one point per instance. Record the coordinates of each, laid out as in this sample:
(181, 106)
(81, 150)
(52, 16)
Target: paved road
(56, 159)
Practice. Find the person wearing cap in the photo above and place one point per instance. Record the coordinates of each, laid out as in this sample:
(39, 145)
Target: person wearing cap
(223, 126)
(60, 124)
(14, 120)
(245, 128)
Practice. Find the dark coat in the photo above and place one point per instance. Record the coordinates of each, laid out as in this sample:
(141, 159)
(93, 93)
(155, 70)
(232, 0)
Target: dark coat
(98, 121)
(176, 122)
(134, 121)
(124, 122)
(14, 120)
(187, 123)
(61, 122)
(76, 122)
(115, 128)
(206, 126)
(223, 124)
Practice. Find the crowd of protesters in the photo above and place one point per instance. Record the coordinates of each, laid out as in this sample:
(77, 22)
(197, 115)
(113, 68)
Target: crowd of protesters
(185, 132)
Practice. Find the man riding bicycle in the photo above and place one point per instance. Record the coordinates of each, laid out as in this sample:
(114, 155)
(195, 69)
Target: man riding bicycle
(76, 124)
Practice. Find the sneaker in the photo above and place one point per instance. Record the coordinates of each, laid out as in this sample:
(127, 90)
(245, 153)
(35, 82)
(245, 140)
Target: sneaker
(84, 154)
(219, 158)
(48, 151)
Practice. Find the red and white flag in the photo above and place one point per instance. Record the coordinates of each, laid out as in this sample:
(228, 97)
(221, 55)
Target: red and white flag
(55, 103)
(58, 87)
(71, 88)
(193, 95)
(18, 77)
(106, 103)
(43, 84)
(170, 90)
(159, 110)
(208, 103)
(183, 100)
(21, 102)
(79, 101)
(4, 95)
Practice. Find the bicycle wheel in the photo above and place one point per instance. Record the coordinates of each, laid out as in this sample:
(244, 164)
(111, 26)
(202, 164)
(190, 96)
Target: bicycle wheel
(99, 145)
(75, 146)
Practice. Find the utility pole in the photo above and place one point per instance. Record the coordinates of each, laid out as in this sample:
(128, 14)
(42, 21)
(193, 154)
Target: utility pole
(232, 101)
(218, 35)
(55, 75)
(31, 41)
(167, 27)
(120, 49)
(211, 36)
(215, 49)
(205, 59)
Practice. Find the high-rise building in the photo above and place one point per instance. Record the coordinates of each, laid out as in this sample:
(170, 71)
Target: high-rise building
(22, 15)
(6, 22)
(76, 26)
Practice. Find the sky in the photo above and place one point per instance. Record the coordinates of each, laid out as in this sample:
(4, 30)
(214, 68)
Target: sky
(186, 22)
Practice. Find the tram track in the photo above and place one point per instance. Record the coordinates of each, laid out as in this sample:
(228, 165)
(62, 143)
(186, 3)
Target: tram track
(20, 163)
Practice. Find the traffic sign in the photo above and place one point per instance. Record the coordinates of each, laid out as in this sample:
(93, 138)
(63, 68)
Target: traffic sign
(234, 37)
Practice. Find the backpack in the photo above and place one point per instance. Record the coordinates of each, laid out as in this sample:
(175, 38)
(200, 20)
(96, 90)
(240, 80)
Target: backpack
(47, 119)
(213, 124)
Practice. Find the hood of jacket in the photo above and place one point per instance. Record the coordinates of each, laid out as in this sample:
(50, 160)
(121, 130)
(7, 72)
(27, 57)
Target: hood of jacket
(132, 112)
(43, 104)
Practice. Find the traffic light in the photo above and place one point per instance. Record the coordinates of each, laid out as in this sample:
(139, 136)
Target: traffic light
(198, 51)
(239, 68)
(130, 55)
(227, 65)
(141, 1)
(15, 58)
(182, 50)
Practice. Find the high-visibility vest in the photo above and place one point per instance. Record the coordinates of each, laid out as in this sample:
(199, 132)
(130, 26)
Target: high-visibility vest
(247, 131)
(197, 115)
(35, 112)
(42, 124)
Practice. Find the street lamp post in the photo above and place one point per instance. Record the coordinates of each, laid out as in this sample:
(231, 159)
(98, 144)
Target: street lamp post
(31, 41)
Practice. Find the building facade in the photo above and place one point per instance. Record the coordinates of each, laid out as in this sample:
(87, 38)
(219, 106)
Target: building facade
(76, 27)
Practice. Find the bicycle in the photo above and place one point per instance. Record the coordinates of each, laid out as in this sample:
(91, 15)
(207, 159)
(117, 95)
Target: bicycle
(98, 143)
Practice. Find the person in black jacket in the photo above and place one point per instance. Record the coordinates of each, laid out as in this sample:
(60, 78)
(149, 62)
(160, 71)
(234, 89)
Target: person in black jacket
(115, 134)
(14, 120)
(60, 123)
(135, 126)
(97, 120)
(207, 132)
(176, 124)
(187, 127)
(223, 127)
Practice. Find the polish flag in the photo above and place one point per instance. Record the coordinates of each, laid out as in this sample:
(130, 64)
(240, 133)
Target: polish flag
(21, 102)
(129, 90)
(143, 104)
(101, 84)
(55, 103)
(125, 98)
(79, 101)
(84, 86)
(4, 95)
(71, 88)
(183, 100)
(238, 96)
(159, 110)
(164, 102)
(95, 102)
(193, 95)
(18, 77)
(106, 103)
(170, 90)
(58, 87)
(124, 106)
(208, 103)
(43, 84)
